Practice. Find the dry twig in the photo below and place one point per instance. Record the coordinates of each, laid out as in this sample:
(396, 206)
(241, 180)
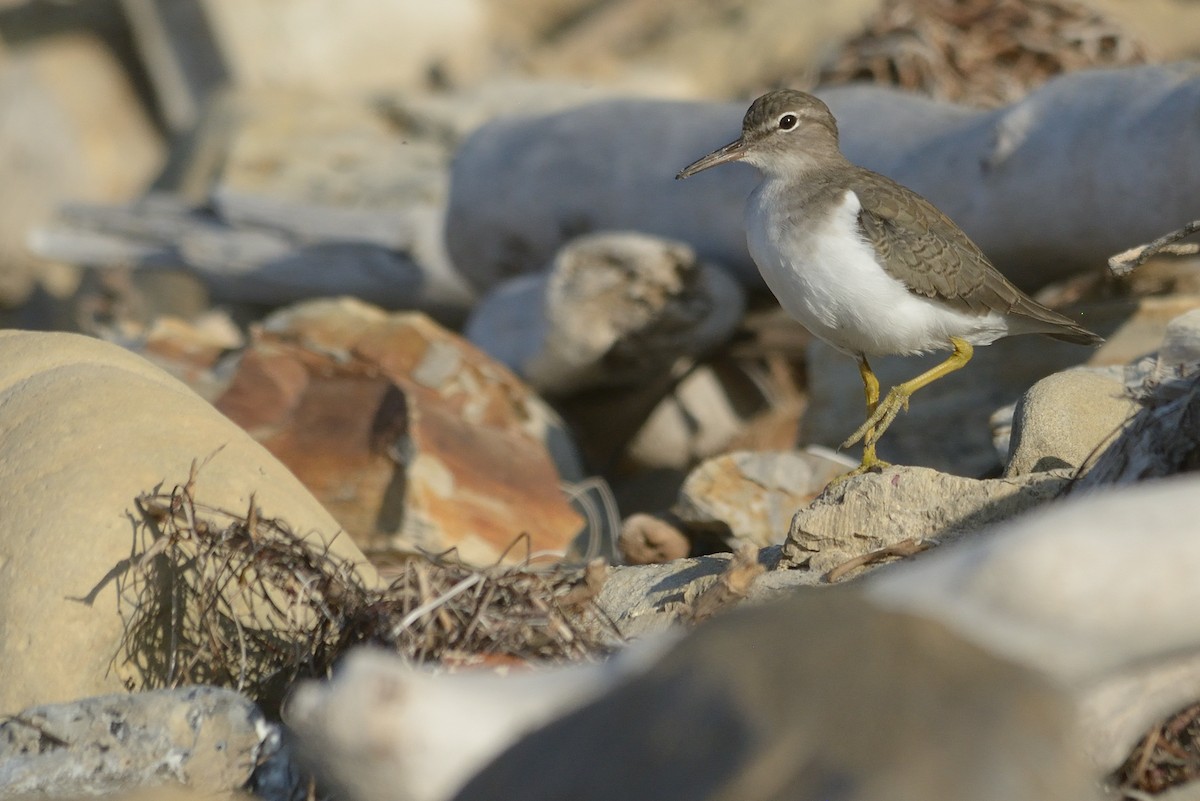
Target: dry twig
(239, 600)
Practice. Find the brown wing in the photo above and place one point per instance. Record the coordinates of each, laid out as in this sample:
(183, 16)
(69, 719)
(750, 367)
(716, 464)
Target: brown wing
(920, 247)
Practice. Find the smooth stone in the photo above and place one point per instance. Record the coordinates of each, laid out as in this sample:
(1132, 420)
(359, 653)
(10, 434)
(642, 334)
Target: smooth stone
(1066, 420)
(822, 696)
(1094, 591)
(88, 427)
(74, 130)
(614, 309)
(351, 47)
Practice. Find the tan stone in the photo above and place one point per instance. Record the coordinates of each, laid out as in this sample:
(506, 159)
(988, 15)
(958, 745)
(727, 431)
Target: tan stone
(350, 46)
(877, 511)
(753, 496)
(86, 428)
(1067, 419)
(410, 435)
(72, 129)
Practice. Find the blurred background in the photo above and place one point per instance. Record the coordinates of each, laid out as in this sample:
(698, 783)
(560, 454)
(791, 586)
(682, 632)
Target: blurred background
(173, 171)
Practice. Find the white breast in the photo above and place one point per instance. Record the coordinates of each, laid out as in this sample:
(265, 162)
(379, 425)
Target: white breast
(825, 275)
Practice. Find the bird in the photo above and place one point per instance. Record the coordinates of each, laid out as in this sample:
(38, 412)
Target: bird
(866, 264)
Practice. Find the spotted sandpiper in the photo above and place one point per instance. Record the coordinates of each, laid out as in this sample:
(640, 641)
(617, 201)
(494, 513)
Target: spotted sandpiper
(865, 264)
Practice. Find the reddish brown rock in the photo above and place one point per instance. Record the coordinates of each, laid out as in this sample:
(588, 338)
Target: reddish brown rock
(409, 435)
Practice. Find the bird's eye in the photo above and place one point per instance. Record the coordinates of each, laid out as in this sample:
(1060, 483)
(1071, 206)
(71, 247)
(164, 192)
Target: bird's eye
(787, 122)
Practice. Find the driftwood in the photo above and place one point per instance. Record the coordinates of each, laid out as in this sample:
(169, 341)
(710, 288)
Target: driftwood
(1127, 260)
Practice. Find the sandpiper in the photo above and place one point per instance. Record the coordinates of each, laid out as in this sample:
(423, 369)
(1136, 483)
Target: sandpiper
(867, 265)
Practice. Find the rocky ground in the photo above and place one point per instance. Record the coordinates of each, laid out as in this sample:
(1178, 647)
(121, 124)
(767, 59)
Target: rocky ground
(379, 419)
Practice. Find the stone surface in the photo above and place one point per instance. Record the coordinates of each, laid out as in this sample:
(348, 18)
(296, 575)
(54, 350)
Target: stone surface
(752, 496)
(819, 697)
(614, 309)
(87, 428)
(346, 47)
(1020, 663)
(1094, 591)
(871, 512)
(698, 417)
(72, 129)
(649, 540)
(388, 731)
(206, 738)
(411, 436)
(1066, 420)
(679, 47)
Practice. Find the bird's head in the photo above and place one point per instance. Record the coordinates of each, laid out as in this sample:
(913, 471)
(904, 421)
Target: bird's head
(783, 132)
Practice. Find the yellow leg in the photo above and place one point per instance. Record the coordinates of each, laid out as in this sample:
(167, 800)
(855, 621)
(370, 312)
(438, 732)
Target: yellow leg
(871, 387)
(879, 420)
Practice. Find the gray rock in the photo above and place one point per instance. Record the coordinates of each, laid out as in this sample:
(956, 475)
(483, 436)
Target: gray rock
(615, 309)
(207, 738)
(815, 698)
(1066, 420)
(875, 511)
(1095, 591)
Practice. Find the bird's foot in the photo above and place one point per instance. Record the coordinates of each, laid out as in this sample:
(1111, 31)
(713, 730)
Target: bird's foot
(870, 431)
(870, 463)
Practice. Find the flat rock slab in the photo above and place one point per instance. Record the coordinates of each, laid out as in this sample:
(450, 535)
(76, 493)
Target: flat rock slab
(204, 737)
(869, 513)
(412, 437)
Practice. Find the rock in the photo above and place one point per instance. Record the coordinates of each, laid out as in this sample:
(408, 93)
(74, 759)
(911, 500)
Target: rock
(1021, 662)
(682, 49)
(605, 166)
(1181, 341)
(1143, 325)
(648, 540)
(410, 436)
(206, 738)
(698, 417)
(615, 309)
(1093, 591)
(291, 196)
(609, 166)
(1066, 420)
(351, 47)
(384, 730)
(822, 696)
(752, 497)
(88, 428)
(74, 130)
(876, 511)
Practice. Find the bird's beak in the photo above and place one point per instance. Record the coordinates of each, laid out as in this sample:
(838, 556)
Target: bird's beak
(731, 152)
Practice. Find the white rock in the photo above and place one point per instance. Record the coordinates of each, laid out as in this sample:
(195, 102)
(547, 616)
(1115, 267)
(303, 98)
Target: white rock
(384, 730)
(1089, 591)
(615, 309)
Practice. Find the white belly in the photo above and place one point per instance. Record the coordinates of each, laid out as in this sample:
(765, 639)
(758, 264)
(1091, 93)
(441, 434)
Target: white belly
(825, 275)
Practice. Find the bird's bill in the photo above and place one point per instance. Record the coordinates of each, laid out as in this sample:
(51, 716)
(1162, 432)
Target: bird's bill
(731, 152)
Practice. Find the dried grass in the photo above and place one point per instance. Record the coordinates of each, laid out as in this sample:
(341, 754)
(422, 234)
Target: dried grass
(238, 600)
